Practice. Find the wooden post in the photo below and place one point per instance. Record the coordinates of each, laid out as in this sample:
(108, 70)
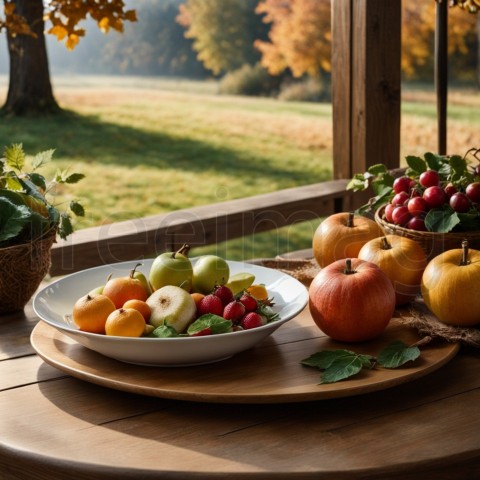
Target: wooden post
(366, 84)
(441, 72)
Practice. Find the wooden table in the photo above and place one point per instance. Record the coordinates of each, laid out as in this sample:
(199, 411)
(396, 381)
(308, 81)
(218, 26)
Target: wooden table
(54, 426)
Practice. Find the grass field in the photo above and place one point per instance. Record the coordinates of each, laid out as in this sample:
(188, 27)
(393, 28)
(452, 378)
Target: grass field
(149, 146)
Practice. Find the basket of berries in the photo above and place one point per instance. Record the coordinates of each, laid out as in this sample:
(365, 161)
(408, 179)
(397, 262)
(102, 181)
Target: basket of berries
(435, 200)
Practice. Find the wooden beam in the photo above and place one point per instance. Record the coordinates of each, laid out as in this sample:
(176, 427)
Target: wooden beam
(208, 224)
(366, 84)
(441, 72)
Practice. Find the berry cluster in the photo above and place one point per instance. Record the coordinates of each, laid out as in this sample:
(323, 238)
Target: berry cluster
(244, 311)
(414, 198)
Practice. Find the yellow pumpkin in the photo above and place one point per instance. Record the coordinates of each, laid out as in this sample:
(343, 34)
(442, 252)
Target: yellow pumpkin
(450, 286)
(341, 236)
(402, 259)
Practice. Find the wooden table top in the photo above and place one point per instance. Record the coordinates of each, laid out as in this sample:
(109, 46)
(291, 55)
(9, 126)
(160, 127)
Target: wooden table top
(55, 426)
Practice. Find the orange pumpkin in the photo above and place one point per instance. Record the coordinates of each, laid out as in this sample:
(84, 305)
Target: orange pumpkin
(342, 235)
(402, 259)
(450, 286)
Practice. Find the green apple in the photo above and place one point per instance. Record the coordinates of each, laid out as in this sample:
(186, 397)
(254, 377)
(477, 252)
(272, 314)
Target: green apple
(172, 305)
(208, 272)
(172, 268)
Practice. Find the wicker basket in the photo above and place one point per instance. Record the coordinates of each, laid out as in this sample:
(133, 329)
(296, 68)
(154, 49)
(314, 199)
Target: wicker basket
(433, 243)
(22, 268)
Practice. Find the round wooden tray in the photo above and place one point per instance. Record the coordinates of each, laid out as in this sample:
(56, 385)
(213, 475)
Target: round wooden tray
(268, 373)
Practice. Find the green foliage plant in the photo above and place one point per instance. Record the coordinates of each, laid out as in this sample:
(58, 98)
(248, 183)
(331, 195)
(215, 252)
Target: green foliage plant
(26, 208)
(454, 169)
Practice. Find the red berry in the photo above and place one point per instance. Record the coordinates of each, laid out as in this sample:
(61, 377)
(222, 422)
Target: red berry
(210, 304)
(473, 192)
(430, 178)
(252, 320)
(435, 196)
(400, 215)
(416, 223)
(234, 311)
(460, 202)
(416, 206)
(401, 184)
(400, 198)
(450, 189)
(224, 294)
(388, 212)
(201, 333)
(249, 302)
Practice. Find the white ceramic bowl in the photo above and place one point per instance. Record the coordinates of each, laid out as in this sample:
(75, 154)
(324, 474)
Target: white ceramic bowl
(54, 304)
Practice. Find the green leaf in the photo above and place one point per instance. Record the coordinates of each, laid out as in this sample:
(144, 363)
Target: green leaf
(13, 219)
(73, 178)
(341, 369)
(434, 161)
(267, 312)
(417, 165)
(358, 183)
(338, 364)
(216, 323)
(15, 156)
(164, 331)
(65, 227)
(397, 354)
(42, 158)
(77, 208)
(38, 180)
(377, 169)
(14, 183)
(441, 220)
(458, 164)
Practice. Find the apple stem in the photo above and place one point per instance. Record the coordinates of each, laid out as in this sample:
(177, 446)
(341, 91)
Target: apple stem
(348, 267)
(465, 260)
(184, 249)
(132, 273)
(351, 216)
(385, 244)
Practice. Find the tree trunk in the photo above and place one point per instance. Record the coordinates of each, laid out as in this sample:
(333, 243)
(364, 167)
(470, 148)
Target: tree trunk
(29, 91)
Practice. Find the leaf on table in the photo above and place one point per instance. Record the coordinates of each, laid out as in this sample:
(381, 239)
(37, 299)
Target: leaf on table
(397, 354)
(338, 364)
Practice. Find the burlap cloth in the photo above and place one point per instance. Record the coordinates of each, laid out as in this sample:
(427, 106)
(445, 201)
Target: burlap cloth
(416, 315)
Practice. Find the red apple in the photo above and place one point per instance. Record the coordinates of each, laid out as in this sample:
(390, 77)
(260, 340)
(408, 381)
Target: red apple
(402, 259)
(352, 300)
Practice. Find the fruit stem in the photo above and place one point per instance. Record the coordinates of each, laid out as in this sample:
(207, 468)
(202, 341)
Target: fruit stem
(351, 216)
(184, 249)
(385, 244)
(465, 260)
(348, 267)
(132, 273)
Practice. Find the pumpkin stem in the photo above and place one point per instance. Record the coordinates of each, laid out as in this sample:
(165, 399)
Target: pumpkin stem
(184, 249)
(351, 216)
(465, 259)
(348, 267)
(385, 244)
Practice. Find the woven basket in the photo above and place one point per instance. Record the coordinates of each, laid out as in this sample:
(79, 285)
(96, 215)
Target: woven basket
(22, 268)
(433, 243)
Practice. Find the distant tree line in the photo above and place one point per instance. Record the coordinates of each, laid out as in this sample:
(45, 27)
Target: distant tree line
(254, 46)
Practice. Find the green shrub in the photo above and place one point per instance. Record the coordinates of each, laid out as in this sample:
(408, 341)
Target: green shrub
(308, 90)
(251, 80)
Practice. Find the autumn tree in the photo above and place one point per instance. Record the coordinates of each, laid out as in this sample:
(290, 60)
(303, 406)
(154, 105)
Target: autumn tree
(30, 90)
(223, 32)
(299, 38)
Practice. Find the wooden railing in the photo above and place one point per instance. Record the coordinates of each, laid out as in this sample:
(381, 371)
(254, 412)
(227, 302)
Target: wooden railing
(203, 225)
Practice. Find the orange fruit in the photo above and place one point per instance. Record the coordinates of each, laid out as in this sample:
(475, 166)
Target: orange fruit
(141, 306)
(121, 289)
(258, 291)
(197, 297)
(125, 322)
(91, 312)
